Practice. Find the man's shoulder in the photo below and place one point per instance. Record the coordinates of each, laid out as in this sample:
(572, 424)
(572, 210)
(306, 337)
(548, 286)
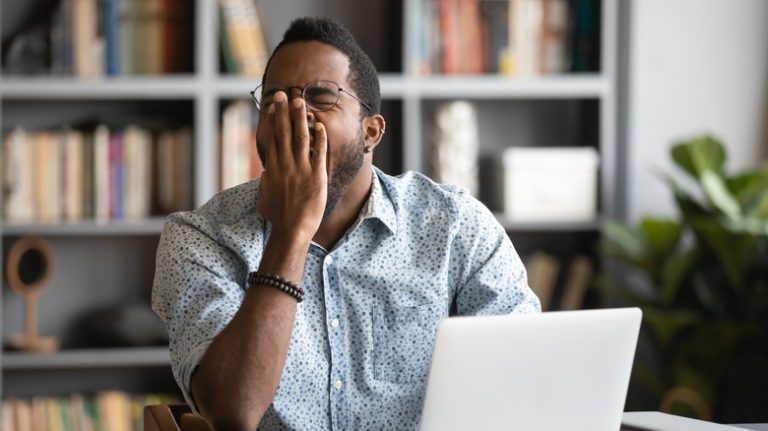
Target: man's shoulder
(416, 189)
(229, 207)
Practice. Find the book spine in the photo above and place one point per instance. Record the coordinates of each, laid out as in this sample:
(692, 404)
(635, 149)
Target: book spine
(111, 25)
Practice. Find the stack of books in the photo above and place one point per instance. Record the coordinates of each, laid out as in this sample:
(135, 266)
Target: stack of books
(95, 38)
(243, 45)
(109, 410)
(101, 173)
(508, 37)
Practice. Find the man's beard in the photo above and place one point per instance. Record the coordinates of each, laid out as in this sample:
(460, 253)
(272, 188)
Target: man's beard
(347, 166)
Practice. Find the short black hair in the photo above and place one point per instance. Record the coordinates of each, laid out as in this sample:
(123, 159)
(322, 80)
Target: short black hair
(362, 73)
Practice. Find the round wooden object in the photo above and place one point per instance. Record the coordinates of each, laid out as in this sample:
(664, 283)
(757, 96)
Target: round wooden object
(26, 246)
(28, 268)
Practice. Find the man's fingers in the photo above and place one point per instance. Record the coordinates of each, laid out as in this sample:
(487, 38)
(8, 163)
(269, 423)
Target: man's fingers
(320, 149)
(282, 128)
(268, 138)
(300, 129)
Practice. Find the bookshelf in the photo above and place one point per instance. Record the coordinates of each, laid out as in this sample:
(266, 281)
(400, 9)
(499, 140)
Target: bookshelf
(106, 263)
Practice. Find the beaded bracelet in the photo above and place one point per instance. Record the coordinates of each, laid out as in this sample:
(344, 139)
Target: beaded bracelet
(278, 283)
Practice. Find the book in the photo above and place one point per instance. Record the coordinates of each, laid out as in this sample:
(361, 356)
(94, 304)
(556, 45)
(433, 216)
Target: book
(18, 176)
(553, 34)
(231, 64)
(101, 169)
(245, 36)
(116, 175)
(470, 43)
(152, 20)
(449, 47)
(543, 270)
(236, 144)
(576, 283)
(86, 44)
(48, 170)
(74, 163)
(136, 172)
(184, 169)
(127, 37)
(110, 19)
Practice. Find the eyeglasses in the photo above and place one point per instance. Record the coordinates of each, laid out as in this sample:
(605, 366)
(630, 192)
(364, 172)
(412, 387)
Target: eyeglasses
(319, 95)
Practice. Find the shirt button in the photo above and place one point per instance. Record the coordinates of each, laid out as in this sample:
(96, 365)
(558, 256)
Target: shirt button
(335, 323)
(329, 260)
(337, 385)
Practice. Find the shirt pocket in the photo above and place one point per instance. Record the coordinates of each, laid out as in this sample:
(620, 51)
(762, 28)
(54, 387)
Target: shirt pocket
(403, 338)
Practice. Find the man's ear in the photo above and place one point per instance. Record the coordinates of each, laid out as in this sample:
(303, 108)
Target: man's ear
(374, 127)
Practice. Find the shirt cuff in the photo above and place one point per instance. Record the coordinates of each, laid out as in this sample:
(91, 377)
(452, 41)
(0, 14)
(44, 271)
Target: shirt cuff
(186, 370)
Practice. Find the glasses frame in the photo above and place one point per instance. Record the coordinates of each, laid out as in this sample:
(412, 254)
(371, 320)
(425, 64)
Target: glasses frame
(303, 89)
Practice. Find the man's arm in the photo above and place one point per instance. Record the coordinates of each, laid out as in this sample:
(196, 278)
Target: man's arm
(490, 275)
(238, 375)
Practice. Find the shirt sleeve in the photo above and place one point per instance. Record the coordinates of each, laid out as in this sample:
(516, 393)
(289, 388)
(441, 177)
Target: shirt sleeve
(197, 291)
(491, 278)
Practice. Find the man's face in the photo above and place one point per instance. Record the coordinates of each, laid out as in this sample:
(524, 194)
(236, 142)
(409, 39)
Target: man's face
(295, 65)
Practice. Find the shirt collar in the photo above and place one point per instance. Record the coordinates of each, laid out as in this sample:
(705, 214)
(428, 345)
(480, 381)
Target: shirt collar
(379, 205)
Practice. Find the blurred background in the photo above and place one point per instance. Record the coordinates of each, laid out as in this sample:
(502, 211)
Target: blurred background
(622, 144)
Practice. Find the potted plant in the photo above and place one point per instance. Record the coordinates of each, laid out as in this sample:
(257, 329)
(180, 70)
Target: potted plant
(701, 280)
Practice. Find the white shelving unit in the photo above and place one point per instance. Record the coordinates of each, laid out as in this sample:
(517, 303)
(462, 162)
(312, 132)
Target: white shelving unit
(89, 358)
(94, 254)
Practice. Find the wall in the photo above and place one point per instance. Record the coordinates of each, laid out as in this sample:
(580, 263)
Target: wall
(694, 66)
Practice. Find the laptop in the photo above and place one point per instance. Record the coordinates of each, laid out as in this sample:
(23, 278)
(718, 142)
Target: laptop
(566, 370)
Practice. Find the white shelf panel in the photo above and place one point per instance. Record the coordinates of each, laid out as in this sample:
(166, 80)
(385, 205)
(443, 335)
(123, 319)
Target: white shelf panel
(513, 226)
(395, 86)
(88, 358)
(500, 87)
(235, 87)
(152, 226)
(176, 86)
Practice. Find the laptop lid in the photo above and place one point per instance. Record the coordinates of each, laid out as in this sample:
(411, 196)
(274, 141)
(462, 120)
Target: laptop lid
(550, 371)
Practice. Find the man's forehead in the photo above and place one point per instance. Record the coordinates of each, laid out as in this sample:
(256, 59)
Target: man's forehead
(298, 63)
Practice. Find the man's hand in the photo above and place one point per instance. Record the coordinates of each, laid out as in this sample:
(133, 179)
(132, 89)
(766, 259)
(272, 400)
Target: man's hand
(294, 184)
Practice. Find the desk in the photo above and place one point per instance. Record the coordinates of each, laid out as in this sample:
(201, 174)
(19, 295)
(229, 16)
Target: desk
(658, 421)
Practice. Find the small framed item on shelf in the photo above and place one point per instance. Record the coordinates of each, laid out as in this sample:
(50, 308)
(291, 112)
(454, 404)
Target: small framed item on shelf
(29, 266)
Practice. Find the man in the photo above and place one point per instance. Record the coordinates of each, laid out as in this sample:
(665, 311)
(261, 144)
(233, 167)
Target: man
(376, 261)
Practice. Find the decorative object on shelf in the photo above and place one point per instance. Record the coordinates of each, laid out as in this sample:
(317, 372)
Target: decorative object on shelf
(29, 267)
(26, 53)
(553, 184)
(120, 326)
(455, 145)
(702, 282)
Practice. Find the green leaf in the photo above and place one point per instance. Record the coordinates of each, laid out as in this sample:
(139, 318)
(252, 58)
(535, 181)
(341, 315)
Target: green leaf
(760, 207)
(630, 242)
(674, 273)
(660, 235)
(749, 188)
(689, 206)
(734, 251)
(711, 294)
(719, 195)
(666, 325)
(699, 154)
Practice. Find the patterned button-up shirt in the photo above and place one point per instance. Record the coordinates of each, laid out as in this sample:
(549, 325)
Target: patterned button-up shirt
(362, 338)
